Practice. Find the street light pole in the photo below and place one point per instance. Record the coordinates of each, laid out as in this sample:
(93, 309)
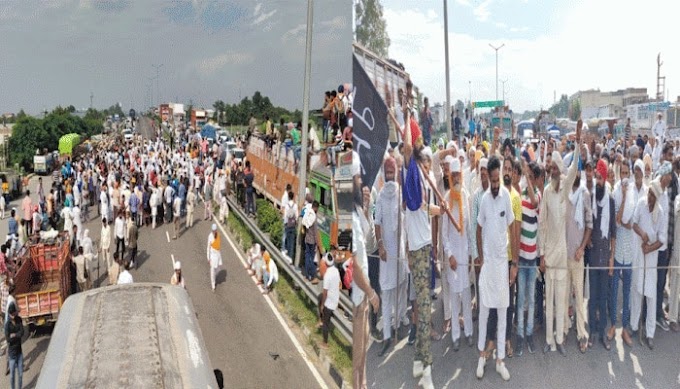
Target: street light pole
(449, 130)
(158, 90)
(497, 48)
(305, 117)
(504, 81)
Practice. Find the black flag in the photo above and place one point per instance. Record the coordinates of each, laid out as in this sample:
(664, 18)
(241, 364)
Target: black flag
(370, 132)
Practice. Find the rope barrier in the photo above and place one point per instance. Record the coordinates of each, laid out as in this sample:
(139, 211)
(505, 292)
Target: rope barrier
(669, 267)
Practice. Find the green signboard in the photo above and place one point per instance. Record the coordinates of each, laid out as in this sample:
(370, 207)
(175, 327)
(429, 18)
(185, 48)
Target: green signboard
(487, 104)
(497, 121)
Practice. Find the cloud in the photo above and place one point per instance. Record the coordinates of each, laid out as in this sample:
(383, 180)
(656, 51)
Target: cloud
(501, 25)
(263, 16)
(481, 11)
(111, 5)
(465, 3)
(337, 23)
(565, 58)
(296, 32)
(221, 15)
(208, 66)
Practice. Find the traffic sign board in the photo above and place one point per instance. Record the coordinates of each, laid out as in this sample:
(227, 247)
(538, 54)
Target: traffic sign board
(487, 104)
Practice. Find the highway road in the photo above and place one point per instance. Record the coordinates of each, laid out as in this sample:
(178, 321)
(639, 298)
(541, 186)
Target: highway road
(246, 337)
(621, 367)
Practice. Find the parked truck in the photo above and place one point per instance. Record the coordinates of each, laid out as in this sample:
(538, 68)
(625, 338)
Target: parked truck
(43, 280)
(43, 163)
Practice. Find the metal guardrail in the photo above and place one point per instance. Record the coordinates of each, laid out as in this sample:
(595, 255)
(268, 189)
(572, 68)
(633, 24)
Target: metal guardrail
(312, 291)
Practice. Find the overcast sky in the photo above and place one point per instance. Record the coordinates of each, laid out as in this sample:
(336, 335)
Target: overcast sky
(551, 46)
(56, 52)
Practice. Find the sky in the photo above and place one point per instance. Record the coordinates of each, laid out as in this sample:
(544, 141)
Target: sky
(57, 52)
(551, 46)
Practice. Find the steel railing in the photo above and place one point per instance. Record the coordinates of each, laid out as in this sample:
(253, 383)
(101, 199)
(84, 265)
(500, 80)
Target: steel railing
(313, 292)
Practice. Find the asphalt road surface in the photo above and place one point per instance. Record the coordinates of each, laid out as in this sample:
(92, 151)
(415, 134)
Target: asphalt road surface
(240, 328)
(621, 367)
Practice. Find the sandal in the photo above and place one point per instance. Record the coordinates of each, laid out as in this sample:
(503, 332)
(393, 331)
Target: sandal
(583, 345)
(591, 342)
(434, 336)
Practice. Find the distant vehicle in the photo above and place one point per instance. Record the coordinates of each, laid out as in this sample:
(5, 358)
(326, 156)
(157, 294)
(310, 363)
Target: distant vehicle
(43, 164)
(229, 147)
(144, 334)
(222, 136)
(127, 135)
(239, 155)
(209, 132)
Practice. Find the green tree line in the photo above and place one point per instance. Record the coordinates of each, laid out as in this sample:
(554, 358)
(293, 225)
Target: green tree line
(258, 106)
(31, 133)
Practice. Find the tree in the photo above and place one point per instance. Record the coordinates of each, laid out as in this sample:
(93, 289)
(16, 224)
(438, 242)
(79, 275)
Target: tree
(28, 135)
(371, 27)
(561, 108)
(575, 110)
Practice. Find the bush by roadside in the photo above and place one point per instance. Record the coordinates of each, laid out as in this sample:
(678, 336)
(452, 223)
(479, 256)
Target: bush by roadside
(269, 221)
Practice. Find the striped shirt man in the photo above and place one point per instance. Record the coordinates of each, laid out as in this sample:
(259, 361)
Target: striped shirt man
(529, 228)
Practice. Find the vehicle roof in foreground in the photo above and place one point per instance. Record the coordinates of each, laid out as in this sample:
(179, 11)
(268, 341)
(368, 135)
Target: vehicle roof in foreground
(140, 335)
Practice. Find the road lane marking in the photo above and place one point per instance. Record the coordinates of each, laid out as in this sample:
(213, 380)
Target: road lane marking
(167, 235)
(298, 347)
(172, 256)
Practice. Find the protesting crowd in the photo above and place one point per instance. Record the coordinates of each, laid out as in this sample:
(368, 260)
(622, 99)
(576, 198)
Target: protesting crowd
(525, 239)
(128, 188)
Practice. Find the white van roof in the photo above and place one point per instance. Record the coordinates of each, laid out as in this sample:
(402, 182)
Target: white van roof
(139, 335)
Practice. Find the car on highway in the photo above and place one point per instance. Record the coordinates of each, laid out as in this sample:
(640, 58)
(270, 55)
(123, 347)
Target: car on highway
(222, 136)
(127, 135)
(239, 155)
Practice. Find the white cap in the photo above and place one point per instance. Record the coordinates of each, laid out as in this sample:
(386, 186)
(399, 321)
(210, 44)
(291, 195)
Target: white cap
(451, 144)
(329, 259)
(483, 163)
(178, 265)
(448, 159)
(455, 166)
(214, 227)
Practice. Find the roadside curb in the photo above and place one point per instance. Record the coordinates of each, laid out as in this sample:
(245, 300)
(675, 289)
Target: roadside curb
(325, 360)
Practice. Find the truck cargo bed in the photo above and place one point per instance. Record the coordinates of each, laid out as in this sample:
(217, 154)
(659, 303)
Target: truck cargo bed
(44, 280)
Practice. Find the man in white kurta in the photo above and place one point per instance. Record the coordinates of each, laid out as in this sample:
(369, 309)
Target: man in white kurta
(650, 224)
(104, 203)
(214, 255)
(456, 255)
(553, 248)
(392, 251)
(105, 242)
(495, 216)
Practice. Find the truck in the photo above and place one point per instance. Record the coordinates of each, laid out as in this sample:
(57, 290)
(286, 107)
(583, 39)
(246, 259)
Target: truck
(141, 335)
(209, 132)
(43, 163)
(43, 281)
(331, 189)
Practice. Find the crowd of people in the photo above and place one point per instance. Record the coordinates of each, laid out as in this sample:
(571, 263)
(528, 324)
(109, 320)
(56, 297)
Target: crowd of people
(131, 187)
(521, 236)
